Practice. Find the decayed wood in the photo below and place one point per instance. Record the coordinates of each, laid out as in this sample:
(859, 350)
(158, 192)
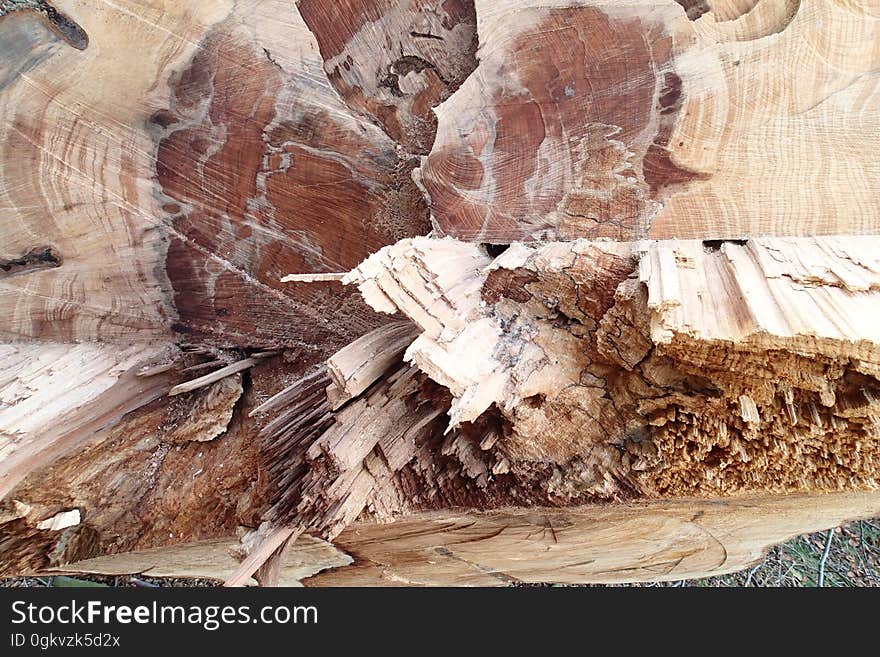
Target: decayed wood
(209, 210)
(587, 371)
(174, 470)
(654, 369)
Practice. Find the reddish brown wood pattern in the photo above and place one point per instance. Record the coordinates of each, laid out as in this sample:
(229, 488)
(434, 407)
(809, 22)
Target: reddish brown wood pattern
(566, 141)
(394, 60)
(265, 173)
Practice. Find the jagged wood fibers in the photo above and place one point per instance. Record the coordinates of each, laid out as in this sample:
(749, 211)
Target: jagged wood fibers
(629, 247)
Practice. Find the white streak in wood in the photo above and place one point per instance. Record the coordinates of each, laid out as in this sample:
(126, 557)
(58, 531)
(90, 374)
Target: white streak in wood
(208, 379)
(313, 278)
(60, 521)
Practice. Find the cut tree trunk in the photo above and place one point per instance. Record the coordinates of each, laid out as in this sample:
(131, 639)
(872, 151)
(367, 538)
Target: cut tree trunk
(478, 291)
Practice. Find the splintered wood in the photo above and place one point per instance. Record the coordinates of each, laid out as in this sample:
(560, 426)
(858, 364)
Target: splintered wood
(383, 450)
(652, 368)
(354, 368)
(54, 395)
(566, 373)
(275, 270)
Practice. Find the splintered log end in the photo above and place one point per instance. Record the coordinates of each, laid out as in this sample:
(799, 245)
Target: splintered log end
(652, 370)
(577, 372)
(552, 280)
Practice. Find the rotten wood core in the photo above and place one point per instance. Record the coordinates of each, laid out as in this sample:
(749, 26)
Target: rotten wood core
(578, 372)
(613, 305)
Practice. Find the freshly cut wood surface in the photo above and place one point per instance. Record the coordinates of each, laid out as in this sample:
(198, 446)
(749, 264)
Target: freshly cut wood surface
(602, 118)
(630, 250)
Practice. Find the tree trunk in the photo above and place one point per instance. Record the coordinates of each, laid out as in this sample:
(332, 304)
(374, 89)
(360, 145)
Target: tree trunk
(478, 291)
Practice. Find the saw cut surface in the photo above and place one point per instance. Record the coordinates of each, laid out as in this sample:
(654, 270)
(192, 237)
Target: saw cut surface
(395, 273)
(164, 177)
(628, 119)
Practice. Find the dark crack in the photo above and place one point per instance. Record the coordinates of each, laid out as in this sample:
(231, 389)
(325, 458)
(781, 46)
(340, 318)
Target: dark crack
(61, 24)
(425, 35)
(38, 258)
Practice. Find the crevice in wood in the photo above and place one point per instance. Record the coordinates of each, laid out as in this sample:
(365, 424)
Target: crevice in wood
(38, 258)
(62, 24)
(394, 60)
(694, 8)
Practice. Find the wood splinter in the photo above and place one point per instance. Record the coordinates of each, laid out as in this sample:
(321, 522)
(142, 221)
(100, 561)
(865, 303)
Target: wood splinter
(217, 375)
(312, 278)
(581, 286)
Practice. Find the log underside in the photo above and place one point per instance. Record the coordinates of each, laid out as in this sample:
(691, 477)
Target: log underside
(657, 541)
(478, 291)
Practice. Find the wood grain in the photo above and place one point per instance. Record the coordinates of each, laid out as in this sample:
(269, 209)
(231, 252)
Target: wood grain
(659, 541)
(647, 542)
(208, 211)
(628, 119)
(214, 157)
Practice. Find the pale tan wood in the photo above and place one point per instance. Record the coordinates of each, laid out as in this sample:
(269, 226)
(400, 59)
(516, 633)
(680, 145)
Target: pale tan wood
(60, 521)
(213, 377)
(357, 366)
(54, 396)
(816, 293)
(656, 541)
(274, 541)
(312, 278)
(209, 560)
(598, 353)
(166, 164)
